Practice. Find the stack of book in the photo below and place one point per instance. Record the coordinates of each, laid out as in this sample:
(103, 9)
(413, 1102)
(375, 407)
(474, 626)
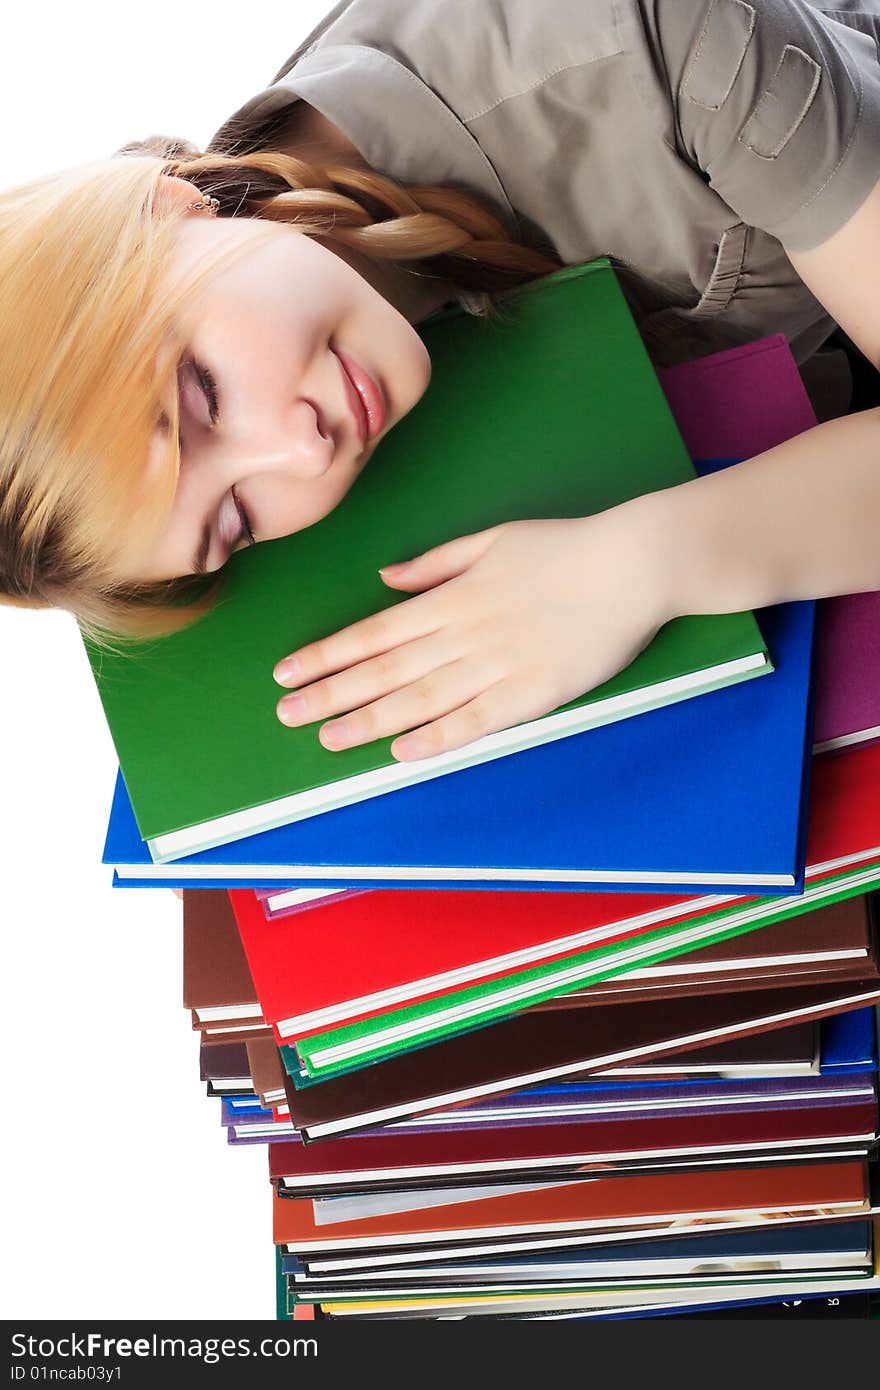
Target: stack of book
(576, 1021)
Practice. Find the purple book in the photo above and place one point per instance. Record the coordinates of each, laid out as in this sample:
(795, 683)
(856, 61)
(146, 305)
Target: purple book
(286, 902)
(847, 672)
(593, 1104)
(738, 403)
(744, 401)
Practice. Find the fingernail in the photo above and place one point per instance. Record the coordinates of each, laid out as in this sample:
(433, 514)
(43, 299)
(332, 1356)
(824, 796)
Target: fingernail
(291, 709)
(287, 671)
(398, 565)
(334, 735)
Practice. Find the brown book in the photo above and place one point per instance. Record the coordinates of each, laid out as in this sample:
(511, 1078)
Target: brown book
(792, 1051)
(217, 983)
(601, 1204)
(828, 945)
(539, 1046)
(235, 1030)
(267, 1071)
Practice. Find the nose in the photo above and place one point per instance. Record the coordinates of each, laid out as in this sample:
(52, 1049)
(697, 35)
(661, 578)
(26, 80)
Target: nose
(298, 443)
(295, 442)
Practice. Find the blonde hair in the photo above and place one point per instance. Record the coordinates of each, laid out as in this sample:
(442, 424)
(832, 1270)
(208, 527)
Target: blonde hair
(90, 340)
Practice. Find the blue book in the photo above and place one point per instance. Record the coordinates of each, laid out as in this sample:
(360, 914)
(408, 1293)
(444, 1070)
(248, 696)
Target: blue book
(845, 1238)
(235, 1111)
(797, 1302)
(848, 1044)
(705, 793)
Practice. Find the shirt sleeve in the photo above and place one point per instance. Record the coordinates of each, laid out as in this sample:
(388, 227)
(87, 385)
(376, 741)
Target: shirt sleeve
(779, 105)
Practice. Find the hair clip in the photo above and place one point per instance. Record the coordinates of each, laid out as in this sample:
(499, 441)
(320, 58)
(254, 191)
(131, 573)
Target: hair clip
(209, 205)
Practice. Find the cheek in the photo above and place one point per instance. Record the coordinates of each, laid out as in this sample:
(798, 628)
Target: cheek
(281, 509)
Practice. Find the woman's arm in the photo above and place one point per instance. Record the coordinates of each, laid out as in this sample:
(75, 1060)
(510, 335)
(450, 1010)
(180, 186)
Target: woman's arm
(800, 521)
(844, 274)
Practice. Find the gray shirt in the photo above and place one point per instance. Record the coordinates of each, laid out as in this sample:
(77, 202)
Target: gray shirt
(689, 140)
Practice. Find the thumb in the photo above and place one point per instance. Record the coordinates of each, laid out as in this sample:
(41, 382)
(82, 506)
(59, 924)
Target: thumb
(437, 565)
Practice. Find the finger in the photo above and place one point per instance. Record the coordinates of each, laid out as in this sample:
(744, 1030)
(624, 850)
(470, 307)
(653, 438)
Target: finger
(425, 699)
(437, 565)
(369, 681)
(509, 699)
(381, 632)
(470, 721)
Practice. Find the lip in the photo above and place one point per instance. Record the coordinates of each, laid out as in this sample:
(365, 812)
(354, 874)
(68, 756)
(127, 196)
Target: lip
(365, 397)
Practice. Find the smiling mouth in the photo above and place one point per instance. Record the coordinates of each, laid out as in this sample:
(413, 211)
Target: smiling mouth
(365, 397)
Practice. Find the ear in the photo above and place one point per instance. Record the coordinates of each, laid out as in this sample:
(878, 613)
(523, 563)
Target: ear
(172, 192)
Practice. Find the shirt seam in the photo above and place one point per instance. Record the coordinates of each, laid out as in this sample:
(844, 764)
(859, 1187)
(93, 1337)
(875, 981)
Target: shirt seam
(697, 54)
(539, 82)
(430, 94)
(855, 126)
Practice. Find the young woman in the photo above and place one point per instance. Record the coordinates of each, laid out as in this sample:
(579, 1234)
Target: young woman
(183, 372)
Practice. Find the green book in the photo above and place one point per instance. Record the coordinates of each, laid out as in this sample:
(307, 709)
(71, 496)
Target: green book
(551, 410)
(282, 1311)
(354, 1045)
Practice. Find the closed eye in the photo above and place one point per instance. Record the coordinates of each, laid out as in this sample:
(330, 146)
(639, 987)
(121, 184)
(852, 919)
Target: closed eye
(208, 383)
(198, 396)
(247, 530)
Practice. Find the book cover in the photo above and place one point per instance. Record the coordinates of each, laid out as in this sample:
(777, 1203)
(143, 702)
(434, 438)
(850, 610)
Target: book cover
(217, 983)
(223, 1061)
(847, 672)
(739, 402)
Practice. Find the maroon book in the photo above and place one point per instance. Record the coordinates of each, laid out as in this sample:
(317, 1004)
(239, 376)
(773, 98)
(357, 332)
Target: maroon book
(510, 1153)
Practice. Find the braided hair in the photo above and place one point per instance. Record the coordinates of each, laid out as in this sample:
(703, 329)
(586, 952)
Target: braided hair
(446, 231)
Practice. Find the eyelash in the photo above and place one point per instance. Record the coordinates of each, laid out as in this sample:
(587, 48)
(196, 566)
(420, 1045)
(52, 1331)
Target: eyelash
(209, 386)
(248, 532)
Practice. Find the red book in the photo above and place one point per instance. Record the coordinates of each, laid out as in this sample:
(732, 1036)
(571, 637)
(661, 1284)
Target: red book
(371, 952)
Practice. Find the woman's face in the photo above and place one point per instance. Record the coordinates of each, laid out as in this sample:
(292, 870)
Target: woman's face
(312, 366)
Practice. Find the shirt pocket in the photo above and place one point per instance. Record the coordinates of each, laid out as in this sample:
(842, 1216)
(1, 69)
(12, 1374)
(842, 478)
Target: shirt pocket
(726, 273)
(681, 331)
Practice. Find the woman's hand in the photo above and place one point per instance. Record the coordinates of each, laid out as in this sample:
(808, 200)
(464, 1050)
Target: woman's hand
(514, 621)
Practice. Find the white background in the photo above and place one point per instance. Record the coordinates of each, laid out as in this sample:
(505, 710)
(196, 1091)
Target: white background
(121, 1197)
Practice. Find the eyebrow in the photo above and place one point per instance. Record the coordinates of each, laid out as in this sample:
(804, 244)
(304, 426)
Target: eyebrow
(200, 558)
